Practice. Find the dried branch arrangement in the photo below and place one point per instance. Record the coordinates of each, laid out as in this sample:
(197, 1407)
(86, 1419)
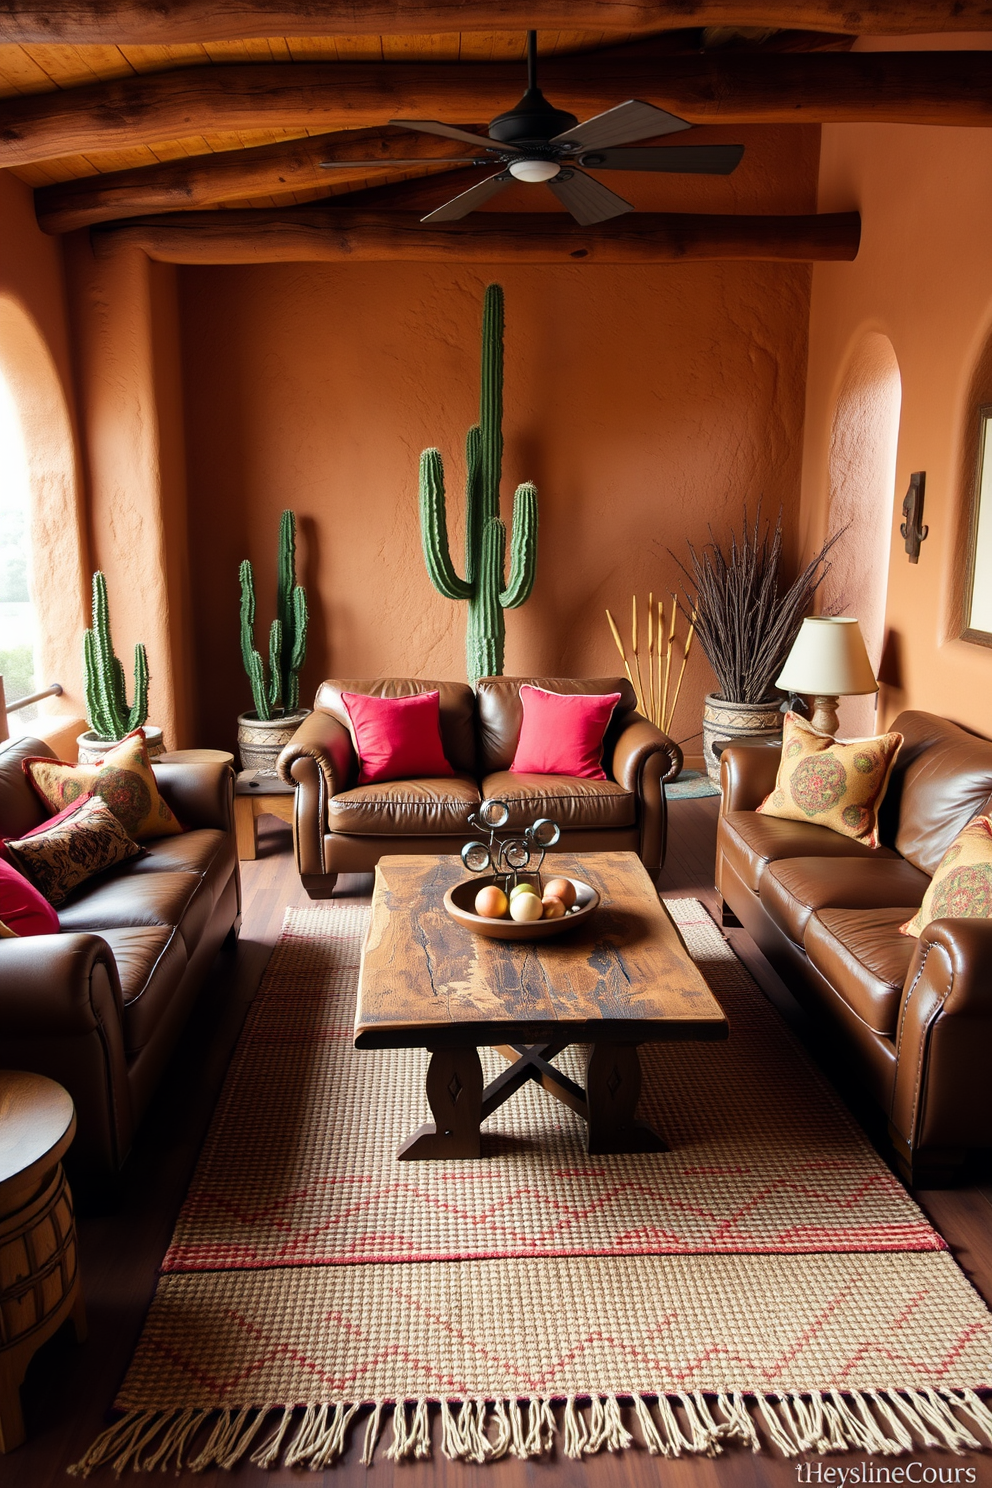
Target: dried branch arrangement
(746, 622)
(657, 699)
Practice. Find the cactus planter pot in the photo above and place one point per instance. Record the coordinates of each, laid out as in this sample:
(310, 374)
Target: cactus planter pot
(262, 740)
(92, 748)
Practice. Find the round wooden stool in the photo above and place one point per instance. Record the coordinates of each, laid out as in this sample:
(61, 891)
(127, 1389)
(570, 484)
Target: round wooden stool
(39, 1275)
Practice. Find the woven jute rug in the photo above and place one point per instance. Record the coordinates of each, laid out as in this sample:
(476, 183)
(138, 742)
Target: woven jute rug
(766, 1282)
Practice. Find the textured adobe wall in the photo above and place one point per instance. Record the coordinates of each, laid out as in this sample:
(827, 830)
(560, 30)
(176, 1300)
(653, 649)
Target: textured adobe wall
(645, 402)
(34, 355)
(922, 281)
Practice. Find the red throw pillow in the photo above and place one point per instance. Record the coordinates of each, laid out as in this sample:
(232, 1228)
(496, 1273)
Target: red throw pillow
(562, 732)
(22, 908)
(397, 738)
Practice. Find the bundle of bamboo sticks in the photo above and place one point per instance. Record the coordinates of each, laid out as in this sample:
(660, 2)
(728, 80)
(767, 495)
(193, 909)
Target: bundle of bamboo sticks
(658, 699)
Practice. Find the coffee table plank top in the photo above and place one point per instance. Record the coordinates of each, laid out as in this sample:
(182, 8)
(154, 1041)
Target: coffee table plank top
(625, 975)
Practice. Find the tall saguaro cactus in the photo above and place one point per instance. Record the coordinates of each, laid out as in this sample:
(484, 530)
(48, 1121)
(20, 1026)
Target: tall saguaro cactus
(484, 586)
(103, 675)
(287, 635)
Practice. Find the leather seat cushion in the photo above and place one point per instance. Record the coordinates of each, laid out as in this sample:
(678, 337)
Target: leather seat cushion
(151, 962)
(205, 850)
(750, 842)
(415, 808)
(790, 890)
(120, 898)
(864, 958)
(566, 799)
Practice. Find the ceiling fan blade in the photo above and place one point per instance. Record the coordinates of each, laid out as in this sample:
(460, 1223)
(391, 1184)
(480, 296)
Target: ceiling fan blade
(385, 163)
(467, 201)
(587, 200)
(632, 120)
(431, 126)
(691, 160)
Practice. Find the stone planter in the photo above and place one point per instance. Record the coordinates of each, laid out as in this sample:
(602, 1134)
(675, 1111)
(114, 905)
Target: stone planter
(262, 740)
(727, 720)
(92, 748)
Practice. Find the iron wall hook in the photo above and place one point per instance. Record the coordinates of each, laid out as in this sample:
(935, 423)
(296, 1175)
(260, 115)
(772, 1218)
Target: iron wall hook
(912, 530)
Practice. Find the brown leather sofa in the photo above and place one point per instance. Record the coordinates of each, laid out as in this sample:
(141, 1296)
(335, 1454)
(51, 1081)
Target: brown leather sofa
(341, 827)
(913, 1017)
(100, 1006)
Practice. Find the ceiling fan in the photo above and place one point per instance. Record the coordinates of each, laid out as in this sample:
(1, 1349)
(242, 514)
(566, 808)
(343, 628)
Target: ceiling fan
(538, 143)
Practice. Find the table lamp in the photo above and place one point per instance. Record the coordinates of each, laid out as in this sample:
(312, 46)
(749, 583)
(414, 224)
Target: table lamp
(828, 661)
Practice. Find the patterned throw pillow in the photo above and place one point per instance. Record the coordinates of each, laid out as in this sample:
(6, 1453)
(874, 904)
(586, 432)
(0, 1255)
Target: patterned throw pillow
(961, 889)
(124, 780)
(839, 786)
(85, 843)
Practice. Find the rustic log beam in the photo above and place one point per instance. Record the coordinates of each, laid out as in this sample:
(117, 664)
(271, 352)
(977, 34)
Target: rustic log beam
(327, 235)
(712, 87)
(167, 22)
(231, 175)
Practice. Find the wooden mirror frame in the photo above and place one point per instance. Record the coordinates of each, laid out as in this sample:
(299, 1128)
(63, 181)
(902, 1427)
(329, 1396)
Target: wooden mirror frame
(983, 476)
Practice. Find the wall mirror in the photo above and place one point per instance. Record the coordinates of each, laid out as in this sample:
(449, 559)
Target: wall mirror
(978, 579)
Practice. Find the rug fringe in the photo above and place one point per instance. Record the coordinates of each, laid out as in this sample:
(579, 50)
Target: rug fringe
(885, 1422)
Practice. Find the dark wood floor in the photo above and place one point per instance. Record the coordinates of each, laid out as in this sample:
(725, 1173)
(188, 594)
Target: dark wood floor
(69, 1388)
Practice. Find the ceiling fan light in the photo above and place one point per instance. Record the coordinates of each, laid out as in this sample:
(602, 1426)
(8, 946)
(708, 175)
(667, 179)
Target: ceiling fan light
(534, 170)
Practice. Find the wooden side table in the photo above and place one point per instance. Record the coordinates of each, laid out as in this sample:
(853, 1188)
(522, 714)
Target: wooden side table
(196, 757)
(39, 1274)
(259, 793)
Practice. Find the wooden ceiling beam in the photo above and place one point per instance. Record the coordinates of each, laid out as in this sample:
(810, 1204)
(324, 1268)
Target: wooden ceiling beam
(326, 235)
(167, 22)
(232, 175)
(711, 87)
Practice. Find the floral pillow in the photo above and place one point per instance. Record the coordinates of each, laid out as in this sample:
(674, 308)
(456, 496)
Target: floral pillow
(58, 860)
(835, 785)
(961, 888)
(124, 779)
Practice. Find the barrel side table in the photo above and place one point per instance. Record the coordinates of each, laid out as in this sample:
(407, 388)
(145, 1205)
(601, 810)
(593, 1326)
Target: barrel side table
(39, 1272)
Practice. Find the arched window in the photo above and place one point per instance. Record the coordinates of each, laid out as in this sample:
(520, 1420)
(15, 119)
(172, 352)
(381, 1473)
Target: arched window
(18, 617)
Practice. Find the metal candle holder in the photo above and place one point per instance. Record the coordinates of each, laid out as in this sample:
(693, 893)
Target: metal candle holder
(508, 857)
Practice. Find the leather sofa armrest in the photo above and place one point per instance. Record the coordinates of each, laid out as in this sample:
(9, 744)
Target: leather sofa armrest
(643, 759)
(939, 1100)
(60, 1015)
(200, 795)
(747, 775)
(639, 740)
(320, 737)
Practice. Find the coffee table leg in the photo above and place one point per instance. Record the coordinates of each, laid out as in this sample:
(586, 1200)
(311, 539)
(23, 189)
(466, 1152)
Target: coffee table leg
(613, 1084)
(454, 1093)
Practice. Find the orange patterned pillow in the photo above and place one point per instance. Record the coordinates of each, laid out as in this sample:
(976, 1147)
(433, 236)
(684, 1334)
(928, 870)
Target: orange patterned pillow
(124, 779)
(961, 889)
(80, 845)
(839, 786)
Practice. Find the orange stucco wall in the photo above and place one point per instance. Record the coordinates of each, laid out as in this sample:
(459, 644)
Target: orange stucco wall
(923, 281)
(644, 401)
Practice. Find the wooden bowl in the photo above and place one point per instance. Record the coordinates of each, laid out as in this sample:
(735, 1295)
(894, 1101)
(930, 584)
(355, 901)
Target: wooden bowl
(459, 903)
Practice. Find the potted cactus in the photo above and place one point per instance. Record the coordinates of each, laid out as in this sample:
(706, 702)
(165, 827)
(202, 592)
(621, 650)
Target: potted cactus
(108, 713)
(485, 586)
(269, 726)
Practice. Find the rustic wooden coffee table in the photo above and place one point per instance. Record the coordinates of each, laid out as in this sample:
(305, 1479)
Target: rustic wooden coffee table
(622, 980)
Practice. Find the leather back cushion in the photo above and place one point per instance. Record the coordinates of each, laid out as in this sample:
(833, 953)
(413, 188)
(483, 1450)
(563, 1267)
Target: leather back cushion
(20, 806)
(500, 714)
(456, 703)
(942, 778)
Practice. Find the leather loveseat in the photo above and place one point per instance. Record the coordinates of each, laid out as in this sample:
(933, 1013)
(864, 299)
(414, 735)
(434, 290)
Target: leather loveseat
(99, 1007)
(341, 827)
(913, 1017)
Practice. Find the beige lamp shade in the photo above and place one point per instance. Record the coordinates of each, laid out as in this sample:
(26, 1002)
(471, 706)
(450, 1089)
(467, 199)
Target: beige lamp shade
(828, 658)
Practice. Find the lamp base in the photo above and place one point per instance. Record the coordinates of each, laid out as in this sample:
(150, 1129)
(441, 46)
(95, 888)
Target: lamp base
(824, 717)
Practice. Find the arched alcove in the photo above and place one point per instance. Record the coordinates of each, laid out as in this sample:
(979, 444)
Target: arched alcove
(34, 390)
(862, 467)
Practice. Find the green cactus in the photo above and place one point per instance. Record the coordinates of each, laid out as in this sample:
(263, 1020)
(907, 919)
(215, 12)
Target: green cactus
(485, 534)
(107, 708)
(287, 635)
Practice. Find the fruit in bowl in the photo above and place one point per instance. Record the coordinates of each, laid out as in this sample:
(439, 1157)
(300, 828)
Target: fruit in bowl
(524, 904)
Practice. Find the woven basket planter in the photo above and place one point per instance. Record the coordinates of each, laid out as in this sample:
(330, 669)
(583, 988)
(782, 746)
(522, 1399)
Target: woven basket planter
(262, 740)
(729, 720)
